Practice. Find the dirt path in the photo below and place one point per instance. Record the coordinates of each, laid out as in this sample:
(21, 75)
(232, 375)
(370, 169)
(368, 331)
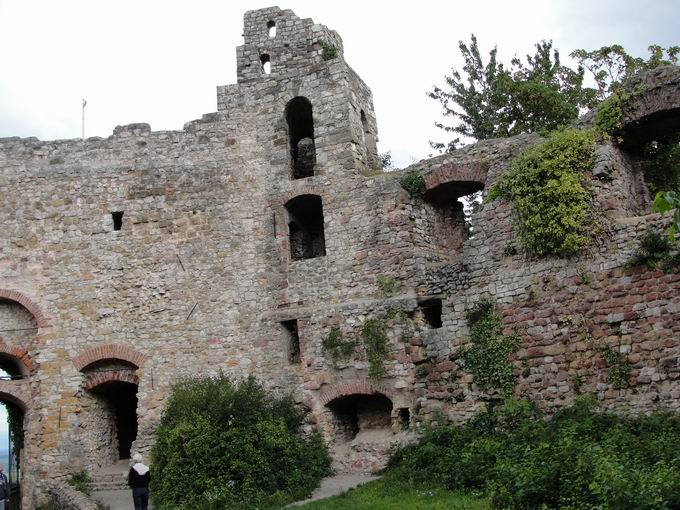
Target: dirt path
(334, 485)
(331, 486)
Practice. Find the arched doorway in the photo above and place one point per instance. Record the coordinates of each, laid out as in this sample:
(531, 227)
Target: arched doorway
(109, 403)
(110, 410)
(118, 402)
(12, 416)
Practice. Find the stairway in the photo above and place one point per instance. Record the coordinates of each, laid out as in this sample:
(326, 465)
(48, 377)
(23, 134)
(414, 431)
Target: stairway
(112, 477)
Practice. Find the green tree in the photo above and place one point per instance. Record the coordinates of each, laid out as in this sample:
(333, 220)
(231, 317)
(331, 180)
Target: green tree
(490, 100)
(611, 66)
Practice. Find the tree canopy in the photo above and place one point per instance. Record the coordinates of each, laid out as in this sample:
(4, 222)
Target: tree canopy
(494, 100)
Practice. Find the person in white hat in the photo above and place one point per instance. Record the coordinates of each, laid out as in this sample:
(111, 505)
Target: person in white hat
(138, 480)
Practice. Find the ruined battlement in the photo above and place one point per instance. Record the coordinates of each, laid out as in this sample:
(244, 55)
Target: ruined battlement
(244, 241)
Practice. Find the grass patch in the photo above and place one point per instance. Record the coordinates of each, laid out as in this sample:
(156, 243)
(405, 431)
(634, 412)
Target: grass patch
(389, 494)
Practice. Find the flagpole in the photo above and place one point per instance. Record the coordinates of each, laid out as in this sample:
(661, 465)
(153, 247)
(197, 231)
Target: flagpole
(83, 123)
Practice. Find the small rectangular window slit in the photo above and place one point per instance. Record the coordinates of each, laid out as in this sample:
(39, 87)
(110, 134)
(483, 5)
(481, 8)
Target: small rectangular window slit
(117, 218)
(293, 341)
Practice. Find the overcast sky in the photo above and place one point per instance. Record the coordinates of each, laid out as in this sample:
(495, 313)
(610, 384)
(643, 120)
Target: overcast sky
(159, 61)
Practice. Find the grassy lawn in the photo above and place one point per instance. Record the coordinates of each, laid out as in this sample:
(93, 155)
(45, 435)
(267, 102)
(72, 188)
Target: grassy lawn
(389, 495)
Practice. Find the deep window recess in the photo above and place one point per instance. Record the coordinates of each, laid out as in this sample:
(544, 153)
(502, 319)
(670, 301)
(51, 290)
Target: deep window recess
(266, 63)
(431, 310)
(354, 414)
(293, 340)
(301, 136)
(404, 417)
(305, 227)
(117, 218)
(271, 26)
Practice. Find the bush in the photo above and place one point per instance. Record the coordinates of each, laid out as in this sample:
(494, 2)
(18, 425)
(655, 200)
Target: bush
(551, 206)
(224, 445)
(579, 459)
(414, 183)
(655, 252)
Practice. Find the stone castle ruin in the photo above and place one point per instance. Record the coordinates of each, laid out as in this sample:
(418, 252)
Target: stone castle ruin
(261, 240)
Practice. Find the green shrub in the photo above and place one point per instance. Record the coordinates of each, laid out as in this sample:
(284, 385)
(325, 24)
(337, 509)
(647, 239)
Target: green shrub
(655, 252)
(551, 206)
(225, 445)
(414, 183)
(578, 459)
(81, 482)
(328, 51)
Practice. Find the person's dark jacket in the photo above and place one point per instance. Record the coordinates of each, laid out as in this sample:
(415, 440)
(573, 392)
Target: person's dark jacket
(137, 481)
(4, 487)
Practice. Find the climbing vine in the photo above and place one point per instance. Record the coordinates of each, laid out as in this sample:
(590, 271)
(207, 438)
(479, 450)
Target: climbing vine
(609, 113)
(373, 337)
(337, 347)
(377, 348)
(551, 205)
(620, 369)
(487, 357)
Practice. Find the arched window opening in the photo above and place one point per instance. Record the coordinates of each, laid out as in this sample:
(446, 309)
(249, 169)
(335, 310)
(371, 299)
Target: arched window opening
(360, 416)
(271, 27)
(454, 202)
(12, 368)
(266, 63)
(301, 137)
(305, 227)
(12, 413)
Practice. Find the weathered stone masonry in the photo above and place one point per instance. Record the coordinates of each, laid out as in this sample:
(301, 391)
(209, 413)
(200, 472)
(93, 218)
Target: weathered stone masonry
(247, 236)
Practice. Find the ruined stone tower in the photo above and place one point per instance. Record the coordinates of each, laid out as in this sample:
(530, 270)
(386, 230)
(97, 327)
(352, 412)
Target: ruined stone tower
(263, 239)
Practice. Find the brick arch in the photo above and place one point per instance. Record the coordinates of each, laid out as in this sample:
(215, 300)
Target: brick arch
(21, 298)
(109, 351)
(123, 375)
(452, 180)
(19, 353)
(16, 392)
(355, 388)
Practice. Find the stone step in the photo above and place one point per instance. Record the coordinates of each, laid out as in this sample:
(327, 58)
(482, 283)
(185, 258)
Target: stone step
(109, 486)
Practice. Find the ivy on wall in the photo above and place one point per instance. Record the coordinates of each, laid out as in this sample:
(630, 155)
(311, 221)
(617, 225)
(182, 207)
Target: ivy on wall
(337, 347)
(620, 369)
(372, 335)
(551, 205)
(487, 356)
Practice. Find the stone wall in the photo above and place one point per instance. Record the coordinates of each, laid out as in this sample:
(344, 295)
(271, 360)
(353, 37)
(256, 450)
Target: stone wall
(199, 277)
